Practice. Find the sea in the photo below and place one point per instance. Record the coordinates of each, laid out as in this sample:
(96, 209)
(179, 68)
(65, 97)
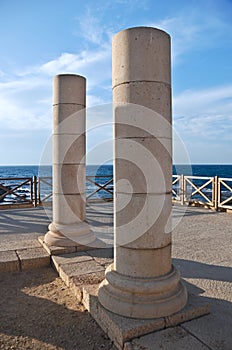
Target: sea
(221, 170)
(105, 173)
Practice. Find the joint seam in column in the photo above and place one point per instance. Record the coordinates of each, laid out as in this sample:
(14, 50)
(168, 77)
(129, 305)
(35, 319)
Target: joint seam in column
(57, 163)
(142, 137)
(68, 133)
(142, 81)
(69, 103)
(149, 248)
(147, 193)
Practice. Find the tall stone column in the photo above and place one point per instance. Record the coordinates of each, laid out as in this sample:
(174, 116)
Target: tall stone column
(69, 227)
(142, 282)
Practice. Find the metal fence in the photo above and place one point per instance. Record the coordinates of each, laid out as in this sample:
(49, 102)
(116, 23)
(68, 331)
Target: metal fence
(18, 191)
(98, 187)
(211, 192)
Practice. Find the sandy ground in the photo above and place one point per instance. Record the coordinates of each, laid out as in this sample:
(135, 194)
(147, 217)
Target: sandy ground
(39, 312)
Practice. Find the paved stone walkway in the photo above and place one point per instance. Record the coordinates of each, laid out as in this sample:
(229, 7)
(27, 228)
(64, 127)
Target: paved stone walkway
(202, 250)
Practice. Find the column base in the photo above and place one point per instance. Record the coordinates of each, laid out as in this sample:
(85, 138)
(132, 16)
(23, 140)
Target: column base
(69, 235)
(122, 329)
(143, 298)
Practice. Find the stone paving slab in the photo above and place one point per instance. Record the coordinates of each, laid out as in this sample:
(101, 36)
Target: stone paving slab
(68, 271)
(33, 258)
(103, 256)
(31, 221)
(70, 258)
(215, 329)
(21, 241)
(169, 339)
(122, 329)
(9, 261)
(79, 282)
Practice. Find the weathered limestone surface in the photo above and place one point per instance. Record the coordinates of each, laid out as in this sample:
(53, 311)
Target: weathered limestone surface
(69, 227)
(168, 339)
(142, 283)
(9, 261)
(123, 329)
(33, 258)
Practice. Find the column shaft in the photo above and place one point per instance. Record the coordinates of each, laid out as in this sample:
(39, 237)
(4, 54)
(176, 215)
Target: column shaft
(69, 174)
(142, 282)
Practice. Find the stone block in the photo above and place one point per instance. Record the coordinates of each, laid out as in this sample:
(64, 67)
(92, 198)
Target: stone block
(69, 88)
(88, 279)
(68, 271)
(143, 165)
(9, 261)
(103, 256)
(78, 282)
(145, 263)
(33, 258)
(137, 175)
(70, 179)
(195, 308)
(71, 258)
(143, 220)
(68, 208)
(133, 120)
(155, 96)
(68, 119)
(168, 339)
(69, 149)
(122, 330)
(134, 52)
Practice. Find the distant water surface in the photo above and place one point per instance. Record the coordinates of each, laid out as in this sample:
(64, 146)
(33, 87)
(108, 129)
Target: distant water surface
(222, 170)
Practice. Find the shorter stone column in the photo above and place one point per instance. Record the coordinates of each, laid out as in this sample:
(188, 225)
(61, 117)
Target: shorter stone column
(69, 170)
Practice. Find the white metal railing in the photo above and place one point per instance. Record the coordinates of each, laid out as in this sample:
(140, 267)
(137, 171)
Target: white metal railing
(214, 192)
(225, 193)
(199, 188)
(176, 187)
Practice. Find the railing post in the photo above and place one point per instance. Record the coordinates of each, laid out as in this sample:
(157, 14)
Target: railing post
(215, 192)
(182, 190)
(35, 190)
(31, 189)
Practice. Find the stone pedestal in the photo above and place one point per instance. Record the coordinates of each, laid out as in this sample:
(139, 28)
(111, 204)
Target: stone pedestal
(69, 227)
(142, 283)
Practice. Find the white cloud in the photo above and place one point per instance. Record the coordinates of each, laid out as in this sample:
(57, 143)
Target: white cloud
(211, 100)
(25, 102)
(26, 98)
(94, 64)
(91, 29)
(92, 100)
(194, 29)
(183, 34)
(206, 113)
(14, 115)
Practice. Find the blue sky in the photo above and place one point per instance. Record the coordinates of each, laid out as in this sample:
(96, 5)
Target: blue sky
(40, 39)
